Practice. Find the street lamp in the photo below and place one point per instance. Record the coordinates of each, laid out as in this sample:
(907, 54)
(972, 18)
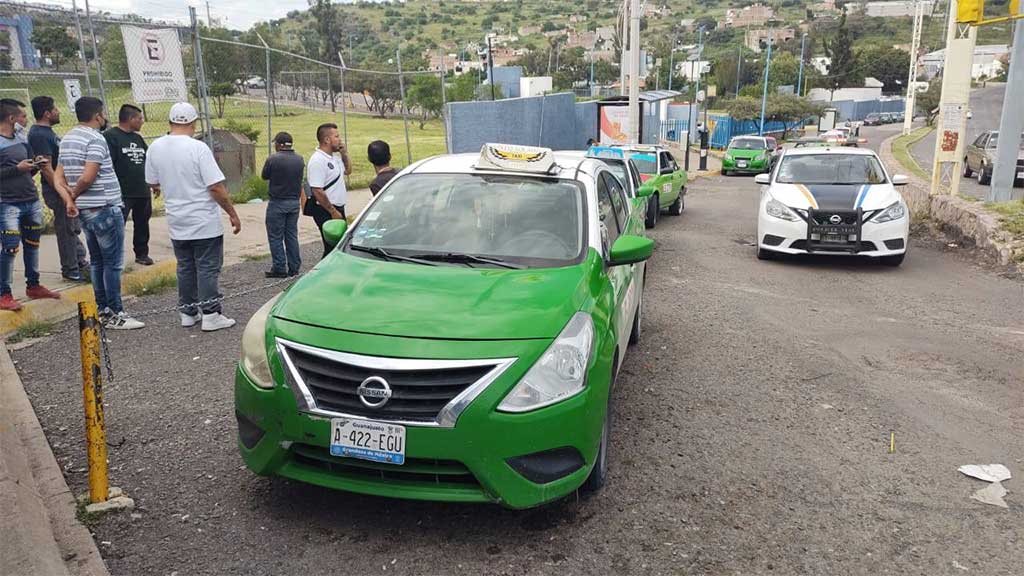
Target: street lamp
(800, 77)
(764, 93)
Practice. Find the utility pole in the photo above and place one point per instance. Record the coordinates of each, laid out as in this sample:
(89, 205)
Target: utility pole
(634, 72)
(764, 92)
(1011, 123)
(739, 67)
(623, 50)
(671, 61)
(209, 20)
(81, 47)
(96, 55)
(915, 44)
(692, 113)
(405, 112)
(800, 76)
(953, 106)
(490, 67)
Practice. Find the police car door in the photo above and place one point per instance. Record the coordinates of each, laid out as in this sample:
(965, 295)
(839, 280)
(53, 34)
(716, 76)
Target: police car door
(614, 212)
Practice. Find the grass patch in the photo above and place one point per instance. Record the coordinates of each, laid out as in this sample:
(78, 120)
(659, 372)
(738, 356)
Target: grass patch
(254, 187)
(150, 284)
(901, 150)
(968, 198)
(31, 329)
(1011, 215)
(254, 257)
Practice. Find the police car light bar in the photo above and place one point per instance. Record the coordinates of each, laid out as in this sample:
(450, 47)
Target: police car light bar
(516, 158)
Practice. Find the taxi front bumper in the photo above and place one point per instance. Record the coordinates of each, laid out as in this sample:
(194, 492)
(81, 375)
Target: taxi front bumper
(746, 165)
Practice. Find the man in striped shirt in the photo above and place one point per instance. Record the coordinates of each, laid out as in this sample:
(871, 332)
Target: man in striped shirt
(86, 166)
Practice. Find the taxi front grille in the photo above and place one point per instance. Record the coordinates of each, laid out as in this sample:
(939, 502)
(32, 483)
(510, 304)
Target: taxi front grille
(418, 470)
(424, 392)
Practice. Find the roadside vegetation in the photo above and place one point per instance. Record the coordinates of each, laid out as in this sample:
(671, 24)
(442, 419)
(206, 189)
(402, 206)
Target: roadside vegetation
(901, 150)
(1011, 215)
(149, 284)
(31, 329)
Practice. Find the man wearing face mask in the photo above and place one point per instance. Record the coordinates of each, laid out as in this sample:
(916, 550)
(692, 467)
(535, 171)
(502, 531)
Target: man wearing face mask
(74, 265)
(86, 166)
(21, 212)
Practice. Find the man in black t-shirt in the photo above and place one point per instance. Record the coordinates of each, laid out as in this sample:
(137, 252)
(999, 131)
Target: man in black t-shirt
(379, 154)
(128, 154)
(283, 170)
(74, 261)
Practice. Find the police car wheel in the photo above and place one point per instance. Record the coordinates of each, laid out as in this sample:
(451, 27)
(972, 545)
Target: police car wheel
(763, 254)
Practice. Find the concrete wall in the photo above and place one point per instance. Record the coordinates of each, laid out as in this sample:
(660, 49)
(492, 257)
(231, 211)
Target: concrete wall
(552, 121)
(507, 79)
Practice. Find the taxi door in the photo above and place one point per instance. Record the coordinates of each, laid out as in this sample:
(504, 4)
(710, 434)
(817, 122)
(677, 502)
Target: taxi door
(614, 212)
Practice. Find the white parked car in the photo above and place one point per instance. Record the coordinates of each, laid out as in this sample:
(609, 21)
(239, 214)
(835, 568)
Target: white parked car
(832, 201)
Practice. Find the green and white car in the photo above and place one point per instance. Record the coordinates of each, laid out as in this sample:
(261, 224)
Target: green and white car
(748, 155)
(662, 175)
(462, 340)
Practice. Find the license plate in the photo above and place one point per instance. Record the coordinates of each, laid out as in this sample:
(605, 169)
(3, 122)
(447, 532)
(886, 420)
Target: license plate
(368, 440)
(835, 239)
(741, 164)
(1020, 174)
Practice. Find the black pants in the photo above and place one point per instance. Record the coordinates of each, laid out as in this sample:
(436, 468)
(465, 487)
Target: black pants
(139, 210)
(320, 216)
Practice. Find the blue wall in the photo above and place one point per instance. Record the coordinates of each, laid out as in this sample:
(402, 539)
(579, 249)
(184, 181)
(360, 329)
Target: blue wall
(23, 39)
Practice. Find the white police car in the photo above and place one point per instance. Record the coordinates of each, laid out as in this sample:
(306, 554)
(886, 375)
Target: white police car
(832, 201)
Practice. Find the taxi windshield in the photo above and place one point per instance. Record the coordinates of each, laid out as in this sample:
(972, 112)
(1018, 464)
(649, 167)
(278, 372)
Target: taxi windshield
(475, 220)
(830, 169)
(747, 144)
(645, 163)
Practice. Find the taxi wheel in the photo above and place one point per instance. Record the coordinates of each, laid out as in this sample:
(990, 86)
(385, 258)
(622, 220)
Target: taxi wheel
(677, 207)
(725, 172)
(599, 474)
(635, 331)
(653, 208)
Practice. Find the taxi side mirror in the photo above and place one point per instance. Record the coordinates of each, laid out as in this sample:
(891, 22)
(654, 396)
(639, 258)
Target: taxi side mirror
(630, 250)
(645, 191)
(334, 230)
(763, 179)
(900, 180)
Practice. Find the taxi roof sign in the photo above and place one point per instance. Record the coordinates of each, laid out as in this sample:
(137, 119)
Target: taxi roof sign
(516, 158)
(605, 152)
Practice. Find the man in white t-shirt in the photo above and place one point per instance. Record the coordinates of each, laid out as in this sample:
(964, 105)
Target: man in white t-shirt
(326, 174)
(184, 170)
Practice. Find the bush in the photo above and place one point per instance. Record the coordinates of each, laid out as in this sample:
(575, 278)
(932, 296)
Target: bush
(254, 187)
(251, 132)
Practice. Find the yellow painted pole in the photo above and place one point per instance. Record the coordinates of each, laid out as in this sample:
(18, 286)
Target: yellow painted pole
(92, 389)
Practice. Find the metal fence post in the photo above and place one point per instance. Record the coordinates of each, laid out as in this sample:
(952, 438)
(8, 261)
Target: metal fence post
(266, 93)
(204, 103)
(344, 108)
(444, 96)
(96, 55)
(405, 115)
(81, 47)
(92, 389)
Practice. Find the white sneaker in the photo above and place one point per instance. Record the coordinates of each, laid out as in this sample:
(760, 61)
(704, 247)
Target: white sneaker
(122, 321)
(216, 321)
(188, 321)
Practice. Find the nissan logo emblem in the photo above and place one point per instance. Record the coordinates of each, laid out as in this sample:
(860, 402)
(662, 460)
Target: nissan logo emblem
(374, 392)
(836, 219)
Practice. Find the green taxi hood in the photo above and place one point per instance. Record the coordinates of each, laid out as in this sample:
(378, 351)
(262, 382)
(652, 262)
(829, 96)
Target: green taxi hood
(452, 302)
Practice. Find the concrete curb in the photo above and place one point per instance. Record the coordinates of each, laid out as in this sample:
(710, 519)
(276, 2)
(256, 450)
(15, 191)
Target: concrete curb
(968, 223)
(56, 310)
(37, 509)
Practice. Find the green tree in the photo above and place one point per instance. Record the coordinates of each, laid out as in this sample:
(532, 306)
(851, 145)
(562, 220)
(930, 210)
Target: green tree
(887, 65)
(115, 63)
(463, 88)
(842, 68)
(424, 97)
(54, 41)
(788, 108)
(220, 91)
(5, 58)
(928, 101)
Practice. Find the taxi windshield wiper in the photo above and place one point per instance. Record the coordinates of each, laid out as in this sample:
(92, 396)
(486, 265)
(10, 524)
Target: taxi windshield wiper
(385, 255)
(469, 258)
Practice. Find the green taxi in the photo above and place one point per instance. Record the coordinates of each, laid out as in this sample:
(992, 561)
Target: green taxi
(748, 155)
(461, 341)
(662, 179)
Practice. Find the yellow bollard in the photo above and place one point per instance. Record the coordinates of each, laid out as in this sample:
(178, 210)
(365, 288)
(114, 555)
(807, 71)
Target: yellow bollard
(92, 388)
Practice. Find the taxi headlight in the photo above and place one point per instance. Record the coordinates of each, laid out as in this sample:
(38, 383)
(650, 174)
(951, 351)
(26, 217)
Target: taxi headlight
(895, 211)
(777, 209)
(728, 156)
(561, 371)
(254, 347)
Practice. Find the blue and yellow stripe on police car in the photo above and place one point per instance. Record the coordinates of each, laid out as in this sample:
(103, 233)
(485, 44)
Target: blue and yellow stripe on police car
(861, 195)
(807, 194)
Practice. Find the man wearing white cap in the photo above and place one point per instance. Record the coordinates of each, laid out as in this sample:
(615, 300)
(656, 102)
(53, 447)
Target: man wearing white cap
(184, 171)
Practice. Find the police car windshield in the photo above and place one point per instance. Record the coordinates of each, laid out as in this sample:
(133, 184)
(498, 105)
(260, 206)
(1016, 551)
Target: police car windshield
(645, 163)
(747, 144)
(830, 169)
(526, 221)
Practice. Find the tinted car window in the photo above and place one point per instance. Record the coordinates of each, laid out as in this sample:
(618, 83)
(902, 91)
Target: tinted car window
(606, 213)
(618, 200)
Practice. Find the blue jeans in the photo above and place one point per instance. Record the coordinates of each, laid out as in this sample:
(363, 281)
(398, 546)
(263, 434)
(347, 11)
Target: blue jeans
(283, 235)
(21, 223)
(199, 264)
(104, 235)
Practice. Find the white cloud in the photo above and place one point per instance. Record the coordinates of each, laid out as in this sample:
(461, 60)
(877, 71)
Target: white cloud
(239, 14)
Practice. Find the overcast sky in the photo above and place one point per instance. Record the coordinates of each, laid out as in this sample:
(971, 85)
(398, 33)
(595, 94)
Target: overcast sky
(239, 14)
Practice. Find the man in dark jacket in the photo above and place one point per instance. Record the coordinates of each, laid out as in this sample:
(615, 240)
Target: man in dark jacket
(283, 170)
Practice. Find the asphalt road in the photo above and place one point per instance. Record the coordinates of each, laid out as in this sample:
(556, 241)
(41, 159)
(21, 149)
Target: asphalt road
(986, 107)
(751, 432)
